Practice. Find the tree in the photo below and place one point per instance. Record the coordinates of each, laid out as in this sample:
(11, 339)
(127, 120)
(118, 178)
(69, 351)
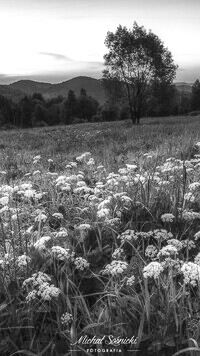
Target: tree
(137, 58)
(83, 92)
(163, 100)
(195, 99)
(69, 109)
(86, 107)
(26, 107)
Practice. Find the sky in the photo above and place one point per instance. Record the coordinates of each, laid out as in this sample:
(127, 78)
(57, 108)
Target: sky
(56, 40)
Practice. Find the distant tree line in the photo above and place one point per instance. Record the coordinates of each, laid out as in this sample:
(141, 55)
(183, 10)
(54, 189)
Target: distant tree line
(32, 111)
(163, 100)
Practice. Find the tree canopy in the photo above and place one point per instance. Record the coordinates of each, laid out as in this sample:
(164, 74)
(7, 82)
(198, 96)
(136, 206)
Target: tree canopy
(136, 59)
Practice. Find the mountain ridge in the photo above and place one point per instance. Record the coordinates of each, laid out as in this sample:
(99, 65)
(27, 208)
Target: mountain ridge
(93, 87)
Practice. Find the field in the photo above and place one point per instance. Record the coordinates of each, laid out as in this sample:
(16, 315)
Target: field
(100, 239)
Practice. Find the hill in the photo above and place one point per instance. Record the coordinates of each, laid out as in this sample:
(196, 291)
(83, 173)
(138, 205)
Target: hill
(29, 87)
(17, 90)
(92, 86)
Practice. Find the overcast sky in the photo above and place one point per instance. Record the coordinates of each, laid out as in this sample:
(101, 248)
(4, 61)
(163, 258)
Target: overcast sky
(55, 40)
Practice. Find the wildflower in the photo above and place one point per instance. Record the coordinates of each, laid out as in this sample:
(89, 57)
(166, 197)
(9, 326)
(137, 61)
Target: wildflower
(58, 215)
(162, 234)
(37, 158)
(115, 268)
(22, 261)
(189, 244)
(4, 200)
(167, 217)
(83, 227)
(174, 264)
(91, 162)
(191, 273)
(118, 254)
(189, 197)
(190, 215)
(130, 281)
(41, 287)
(66, 318)
(114, 223)
(176, 243)
(167, 251)
(61, 233)
(60, 253)
(151, 251)
(103, 213)
(194, 186)
(131, 167)
(128, 235)
(81, 263)
(40, 244)
(152, 270)
(29, 193)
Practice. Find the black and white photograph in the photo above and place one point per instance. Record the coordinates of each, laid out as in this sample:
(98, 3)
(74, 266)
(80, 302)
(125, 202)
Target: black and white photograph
(100, 177)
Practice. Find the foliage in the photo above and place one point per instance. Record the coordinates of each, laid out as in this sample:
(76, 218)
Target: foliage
(33, 110)
(136, 58)
(195, 99)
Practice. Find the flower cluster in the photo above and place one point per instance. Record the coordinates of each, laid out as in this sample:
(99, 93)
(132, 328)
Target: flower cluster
(191, 273)
(66, 319)
(115, 268)
(152, 270)
(40, 287)
(80, 263)
(60, 253)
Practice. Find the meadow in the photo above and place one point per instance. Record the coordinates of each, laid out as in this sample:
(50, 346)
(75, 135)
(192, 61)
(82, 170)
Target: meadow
(100, 239)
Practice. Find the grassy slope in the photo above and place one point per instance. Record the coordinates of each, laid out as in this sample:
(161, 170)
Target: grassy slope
(111, 143)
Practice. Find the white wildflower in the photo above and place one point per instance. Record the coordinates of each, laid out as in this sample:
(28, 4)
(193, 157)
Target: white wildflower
(66, 318)
(60, 253)
(103, 213)
(118, 253)
(191, 272)
(176, 243)
(61, 233)
(115, 268)
(151, 251)
(152, 270)
(22, 261)
(128, 235)
(81, 263)
(58, 215)
(130, 281)
(167, 217)
(189, 244)
(167, 251)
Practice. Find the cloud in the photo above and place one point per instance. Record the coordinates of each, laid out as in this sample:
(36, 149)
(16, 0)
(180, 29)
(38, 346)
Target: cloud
(57, 56)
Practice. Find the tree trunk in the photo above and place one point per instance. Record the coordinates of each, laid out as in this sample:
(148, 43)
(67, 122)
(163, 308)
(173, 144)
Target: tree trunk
(133, 118)
(138, 119)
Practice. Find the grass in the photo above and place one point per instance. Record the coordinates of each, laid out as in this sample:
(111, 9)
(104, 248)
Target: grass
(110, 143)
(86, 252)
